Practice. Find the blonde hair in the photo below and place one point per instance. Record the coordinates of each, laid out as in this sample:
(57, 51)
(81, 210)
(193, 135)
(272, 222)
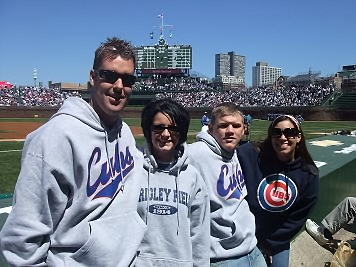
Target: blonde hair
(224, 109)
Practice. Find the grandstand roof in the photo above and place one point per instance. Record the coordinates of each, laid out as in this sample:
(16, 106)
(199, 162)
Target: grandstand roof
(304, 77)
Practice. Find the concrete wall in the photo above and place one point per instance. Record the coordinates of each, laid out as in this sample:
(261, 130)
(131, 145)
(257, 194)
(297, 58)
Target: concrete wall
(309, 113)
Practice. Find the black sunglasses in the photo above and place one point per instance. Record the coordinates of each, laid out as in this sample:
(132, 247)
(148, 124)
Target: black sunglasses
(111, 76)
(160, 128)
(287, 132)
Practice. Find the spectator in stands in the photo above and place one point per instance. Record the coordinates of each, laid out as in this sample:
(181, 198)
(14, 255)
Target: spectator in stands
(283, 185)
(75, 202)
(232, 225)
(338, 218)
(178, 222)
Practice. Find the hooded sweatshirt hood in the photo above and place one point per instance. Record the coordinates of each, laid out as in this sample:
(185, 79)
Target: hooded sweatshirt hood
(180, 162)
(85, 113)
(214, 146)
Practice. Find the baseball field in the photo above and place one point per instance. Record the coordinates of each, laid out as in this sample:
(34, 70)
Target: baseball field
(335, 156)
(13, 132)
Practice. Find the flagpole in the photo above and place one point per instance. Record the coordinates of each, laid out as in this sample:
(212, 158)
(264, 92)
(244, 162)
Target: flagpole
(162, 25)
(162, 28)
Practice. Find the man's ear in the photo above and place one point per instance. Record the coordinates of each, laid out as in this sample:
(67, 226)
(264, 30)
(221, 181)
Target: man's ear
(91, 78)
(210, 128)
(245, 128)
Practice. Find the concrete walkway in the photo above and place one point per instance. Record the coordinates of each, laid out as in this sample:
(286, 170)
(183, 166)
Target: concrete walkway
(306, 252)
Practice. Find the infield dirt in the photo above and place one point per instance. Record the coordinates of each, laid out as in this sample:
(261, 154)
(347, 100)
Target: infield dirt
(19, 130)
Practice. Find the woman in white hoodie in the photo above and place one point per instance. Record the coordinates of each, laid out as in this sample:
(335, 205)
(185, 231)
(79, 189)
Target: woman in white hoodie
(173, 199)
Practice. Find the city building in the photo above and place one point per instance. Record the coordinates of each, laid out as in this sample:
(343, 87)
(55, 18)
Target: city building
(67, 87)
(230, 70)
(262, 74)
(348, 75)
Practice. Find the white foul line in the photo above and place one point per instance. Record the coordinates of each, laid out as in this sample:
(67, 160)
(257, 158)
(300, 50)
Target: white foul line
(5, 210)
(6, 151)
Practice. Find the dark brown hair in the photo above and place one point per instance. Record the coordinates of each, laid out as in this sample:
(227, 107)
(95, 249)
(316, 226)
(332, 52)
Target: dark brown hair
(111, 49)
(175, 111)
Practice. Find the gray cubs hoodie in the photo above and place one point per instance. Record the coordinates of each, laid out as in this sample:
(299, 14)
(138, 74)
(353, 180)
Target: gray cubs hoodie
(75, 201)
(175, 205)
(232, 223)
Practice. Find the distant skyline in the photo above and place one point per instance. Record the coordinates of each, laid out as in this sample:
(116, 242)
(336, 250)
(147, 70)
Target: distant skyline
(59, 38)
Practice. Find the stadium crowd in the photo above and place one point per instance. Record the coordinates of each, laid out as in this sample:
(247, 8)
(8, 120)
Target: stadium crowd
(255, 97)
(186, 84)
(34, 96)
(188, 92)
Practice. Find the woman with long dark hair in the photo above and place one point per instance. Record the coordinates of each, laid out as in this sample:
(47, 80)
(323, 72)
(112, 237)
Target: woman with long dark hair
(283, 185)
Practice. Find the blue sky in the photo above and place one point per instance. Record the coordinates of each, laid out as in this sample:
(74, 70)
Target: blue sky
(59, 38)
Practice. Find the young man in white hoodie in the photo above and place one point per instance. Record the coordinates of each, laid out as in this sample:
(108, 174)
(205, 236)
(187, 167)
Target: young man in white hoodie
(75, 201)
(232, 225)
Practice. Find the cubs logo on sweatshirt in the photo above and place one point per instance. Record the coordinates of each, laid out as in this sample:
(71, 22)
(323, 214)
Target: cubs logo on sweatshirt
(276, 192)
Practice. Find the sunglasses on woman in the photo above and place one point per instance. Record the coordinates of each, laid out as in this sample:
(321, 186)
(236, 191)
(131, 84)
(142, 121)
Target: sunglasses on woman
(287, 132)
(111, 76)
(160, 128)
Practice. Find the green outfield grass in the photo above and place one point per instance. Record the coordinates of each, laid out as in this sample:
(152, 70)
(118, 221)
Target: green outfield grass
(10, 156)
(10, 160)
(23, 120)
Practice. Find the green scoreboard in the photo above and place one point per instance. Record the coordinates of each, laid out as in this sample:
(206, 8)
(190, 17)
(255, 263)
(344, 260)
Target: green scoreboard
(163, 58)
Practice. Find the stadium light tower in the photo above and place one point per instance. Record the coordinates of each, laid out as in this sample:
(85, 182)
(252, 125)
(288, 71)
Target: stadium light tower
(35, 76)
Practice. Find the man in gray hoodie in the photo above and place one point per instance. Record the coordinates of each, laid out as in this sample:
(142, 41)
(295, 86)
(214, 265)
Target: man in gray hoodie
(232, 225)
(75, 201)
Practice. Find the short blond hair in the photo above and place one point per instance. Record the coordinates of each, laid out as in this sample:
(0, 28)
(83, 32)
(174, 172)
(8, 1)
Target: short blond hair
(224, 109)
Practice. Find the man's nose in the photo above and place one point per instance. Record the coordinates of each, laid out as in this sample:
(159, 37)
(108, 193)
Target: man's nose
(229, 128)
(118, 83)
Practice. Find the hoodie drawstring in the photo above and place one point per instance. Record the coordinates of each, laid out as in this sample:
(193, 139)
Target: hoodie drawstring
(148, 192)
(177, 186)
(110, 162)
(107, 156)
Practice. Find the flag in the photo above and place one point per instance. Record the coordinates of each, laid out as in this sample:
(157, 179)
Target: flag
(151, 35)
(160, 16)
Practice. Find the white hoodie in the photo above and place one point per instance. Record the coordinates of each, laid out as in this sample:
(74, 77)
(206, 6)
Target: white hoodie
(232, 223)
(75, 201)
